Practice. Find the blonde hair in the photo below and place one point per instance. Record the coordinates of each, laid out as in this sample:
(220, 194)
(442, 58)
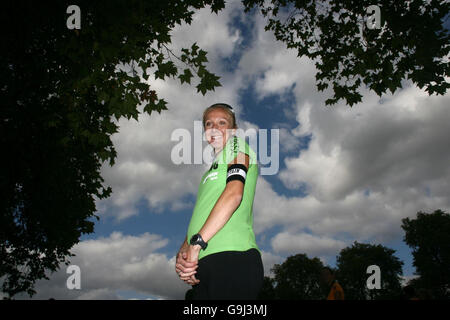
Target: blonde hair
(226, 108)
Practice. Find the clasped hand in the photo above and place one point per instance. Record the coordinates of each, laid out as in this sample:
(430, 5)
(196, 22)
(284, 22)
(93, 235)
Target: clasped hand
(187, 264)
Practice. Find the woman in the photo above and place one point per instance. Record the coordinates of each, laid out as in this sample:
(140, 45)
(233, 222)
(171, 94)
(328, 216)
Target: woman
(219, 256)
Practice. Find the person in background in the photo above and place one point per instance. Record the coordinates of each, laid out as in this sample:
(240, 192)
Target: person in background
(329, 278)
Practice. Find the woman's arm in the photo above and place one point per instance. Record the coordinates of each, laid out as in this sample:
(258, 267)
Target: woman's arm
(226, 205)
(224, 208)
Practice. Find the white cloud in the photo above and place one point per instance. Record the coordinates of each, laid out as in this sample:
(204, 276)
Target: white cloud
(269, 260)
(144, 169)
(213, 33)
(288, 141)
(389, 160)
(373, 146)
(117, 263)
(366, 167)
(306, 243)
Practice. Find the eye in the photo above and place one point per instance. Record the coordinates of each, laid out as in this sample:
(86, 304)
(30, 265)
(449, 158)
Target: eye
(208, 124)
(222, 122)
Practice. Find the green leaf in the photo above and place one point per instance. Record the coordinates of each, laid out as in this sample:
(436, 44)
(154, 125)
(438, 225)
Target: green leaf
(194, 49)
(208, 82)
(161, 105)
(201, 57)
(186, 76)
(166, 69)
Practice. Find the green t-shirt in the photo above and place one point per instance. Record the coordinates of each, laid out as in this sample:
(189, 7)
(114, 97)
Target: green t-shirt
(237, 234)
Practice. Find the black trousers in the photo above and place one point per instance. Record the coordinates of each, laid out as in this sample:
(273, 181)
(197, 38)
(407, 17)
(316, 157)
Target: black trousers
(229, 275)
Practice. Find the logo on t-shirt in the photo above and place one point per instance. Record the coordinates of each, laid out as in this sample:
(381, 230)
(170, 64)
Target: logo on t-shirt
(211, 176)
(235, 145)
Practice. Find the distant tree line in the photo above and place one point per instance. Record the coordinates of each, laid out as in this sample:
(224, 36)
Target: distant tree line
(428, 235)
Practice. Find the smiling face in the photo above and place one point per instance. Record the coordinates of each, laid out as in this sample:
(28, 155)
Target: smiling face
(218, 128)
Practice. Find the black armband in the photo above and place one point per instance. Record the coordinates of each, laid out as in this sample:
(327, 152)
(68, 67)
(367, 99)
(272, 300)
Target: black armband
(237, 172)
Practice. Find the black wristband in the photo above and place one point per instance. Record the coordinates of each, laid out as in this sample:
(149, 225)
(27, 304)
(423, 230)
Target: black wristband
(237, 172)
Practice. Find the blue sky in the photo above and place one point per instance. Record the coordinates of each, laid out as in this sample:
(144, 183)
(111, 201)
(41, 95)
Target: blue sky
(345, 174)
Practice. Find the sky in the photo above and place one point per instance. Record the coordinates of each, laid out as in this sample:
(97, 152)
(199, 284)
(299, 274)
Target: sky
(344, 174)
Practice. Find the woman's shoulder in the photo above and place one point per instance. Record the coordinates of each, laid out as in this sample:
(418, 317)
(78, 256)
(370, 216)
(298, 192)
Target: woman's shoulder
(236, 145)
